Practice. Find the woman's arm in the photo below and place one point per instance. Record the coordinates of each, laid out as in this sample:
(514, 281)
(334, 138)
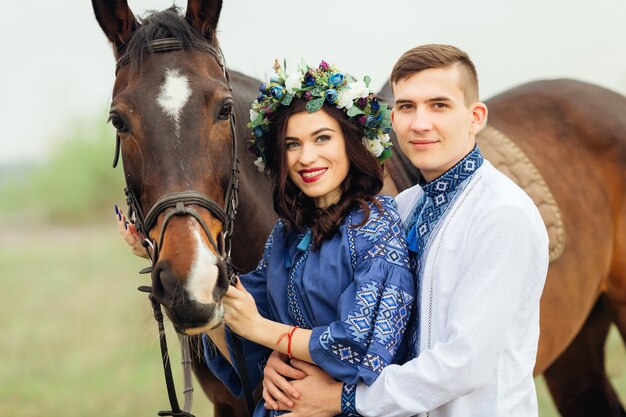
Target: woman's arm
(242, 316)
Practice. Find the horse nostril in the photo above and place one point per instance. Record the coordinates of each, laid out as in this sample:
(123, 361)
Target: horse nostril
(163, 280)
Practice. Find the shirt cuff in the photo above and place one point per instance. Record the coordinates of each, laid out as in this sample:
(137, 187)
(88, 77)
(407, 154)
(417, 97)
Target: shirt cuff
(348, 401)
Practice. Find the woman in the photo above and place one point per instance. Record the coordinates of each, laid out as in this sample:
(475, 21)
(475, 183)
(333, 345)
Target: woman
(334, 286)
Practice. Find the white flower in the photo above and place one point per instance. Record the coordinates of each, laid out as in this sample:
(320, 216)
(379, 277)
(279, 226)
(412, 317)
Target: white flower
(253, 114)
(374, 146)
(260, 164)
(359, 89)
(345, 98)
(384, 139)
(294, 80)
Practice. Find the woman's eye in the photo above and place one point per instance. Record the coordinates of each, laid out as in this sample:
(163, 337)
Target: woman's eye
(291, 145)
(225, 111)
(118, 123)
(322, 138)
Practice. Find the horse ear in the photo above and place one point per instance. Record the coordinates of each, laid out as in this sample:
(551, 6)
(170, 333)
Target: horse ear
(117, 22)
(204, 15)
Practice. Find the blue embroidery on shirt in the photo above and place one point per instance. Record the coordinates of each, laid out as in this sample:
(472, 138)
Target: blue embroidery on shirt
(294, 306)
(393, 315)
(348, 401)
(360, 323)
(348, 354)
(262, 266)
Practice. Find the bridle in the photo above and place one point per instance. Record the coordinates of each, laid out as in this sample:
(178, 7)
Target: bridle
(179, 204)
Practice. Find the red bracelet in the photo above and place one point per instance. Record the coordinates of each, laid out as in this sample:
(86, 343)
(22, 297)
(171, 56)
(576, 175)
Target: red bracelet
(289, 341)
(289, 334)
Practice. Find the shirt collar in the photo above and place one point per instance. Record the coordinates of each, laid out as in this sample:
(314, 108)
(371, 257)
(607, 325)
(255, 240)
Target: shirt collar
(452, 178)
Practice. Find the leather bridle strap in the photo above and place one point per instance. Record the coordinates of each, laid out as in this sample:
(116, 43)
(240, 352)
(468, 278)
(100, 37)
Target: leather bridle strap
(179, 201)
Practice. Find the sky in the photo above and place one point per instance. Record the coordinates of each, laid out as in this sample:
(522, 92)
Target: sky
(58, 68)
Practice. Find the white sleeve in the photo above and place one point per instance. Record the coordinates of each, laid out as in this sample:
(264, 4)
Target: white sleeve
(503, 268)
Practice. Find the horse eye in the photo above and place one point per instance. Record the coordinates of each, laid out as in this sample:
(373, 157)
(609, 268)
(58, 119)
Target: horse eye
(225, 111)
(118, 123)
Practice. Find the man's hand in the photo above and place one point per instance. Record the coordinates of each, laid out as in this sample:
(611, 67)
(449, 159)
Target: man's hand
(320, 394)
(276, 387)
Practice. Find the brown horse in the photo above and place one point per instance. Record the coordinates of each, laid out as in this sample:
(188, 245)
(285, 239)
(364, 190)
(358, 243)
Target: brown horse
(172, 111)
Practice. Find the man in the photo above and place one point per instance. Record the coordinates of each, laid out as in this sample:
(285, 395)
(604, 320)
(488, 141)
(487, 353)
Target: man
(482, 257)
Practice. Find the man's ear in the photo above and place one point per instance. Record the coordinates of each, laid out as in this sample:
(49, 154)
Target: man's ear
(479, 117)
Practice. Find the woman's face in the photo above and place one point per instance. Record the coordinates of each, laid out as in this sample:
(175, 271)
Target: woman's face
(316, 156)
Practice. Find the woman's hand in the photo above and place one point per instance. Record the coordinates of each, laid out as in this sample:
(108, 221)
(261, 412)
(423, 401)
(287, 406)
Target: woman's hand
(320, 394)
(276, 387)
(130, 234)
(240, 312)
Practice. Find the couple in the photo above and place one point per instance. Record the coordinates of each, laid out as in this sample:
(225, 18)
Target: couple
(428, 306)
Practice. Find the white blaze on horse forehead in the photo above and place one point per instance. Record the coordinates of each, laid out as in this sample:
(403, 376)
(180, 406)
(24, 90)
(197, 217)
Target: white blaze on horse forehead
(173, 96)
(204, 271)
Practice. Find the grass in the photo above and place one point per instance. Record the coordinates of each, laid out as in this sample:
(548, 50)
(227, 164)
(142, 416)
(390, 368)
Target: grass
(79, 340)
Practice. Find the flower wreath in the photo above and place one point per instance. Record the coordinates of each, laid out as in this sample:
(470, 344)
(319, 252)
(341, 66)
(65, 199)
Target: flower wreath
(316, 86)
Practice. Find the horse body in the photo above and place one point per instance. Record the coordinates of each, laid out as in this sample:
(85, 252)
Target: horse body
(171, 111)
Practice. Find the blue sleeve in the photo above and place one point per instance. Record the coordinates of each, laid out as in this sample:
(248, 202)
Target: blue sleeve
(374, 309)
(255, 355)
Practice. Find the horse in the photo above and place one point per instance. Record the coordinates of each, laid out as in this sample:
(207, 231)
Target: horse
(173, 113)
(575, 135)
(173, 107)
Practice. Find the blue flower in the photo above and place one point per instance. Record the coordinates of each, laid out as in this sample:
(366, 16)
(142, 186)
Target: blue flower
(277, 92)
(263, 88)
(309, 80)
(261, 97)
(331, 95)
(258, 131)
(335, 80)
(371, 122)
(375, 106)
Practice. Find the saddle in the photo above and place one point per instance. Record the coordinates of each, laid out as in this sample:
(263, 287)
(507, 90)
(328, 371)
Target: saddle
(509, 159)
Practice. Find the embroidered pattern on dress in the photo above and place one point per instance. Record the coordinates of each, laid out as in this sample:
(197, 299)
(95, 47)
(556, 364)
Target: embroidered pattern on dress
(360, 323)
(393, 315)
(262, 266)
(294, 307)
(383, 235)
(348, 354)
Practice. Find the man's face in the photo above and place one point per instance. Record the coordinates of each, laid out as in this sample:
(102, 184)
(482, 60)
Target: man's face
(435, 127)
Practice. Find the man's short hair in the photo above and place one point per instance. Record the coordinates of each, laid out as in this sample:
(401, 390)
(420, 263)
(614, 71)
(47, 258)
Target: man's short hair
(438, 56)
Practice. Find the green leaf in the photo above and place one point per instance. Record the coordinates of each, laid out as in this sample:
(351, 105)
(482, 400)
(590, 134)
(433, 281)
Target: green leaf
(257, 121)
(314, 104)
(386, 154)
(354, 111)
(318, 91)
(367, 79)
(287, 99)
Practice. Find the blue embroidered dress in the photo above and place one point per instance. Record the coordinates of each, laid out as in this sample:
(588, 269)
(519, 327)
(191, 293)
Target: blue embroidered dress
(355, 291)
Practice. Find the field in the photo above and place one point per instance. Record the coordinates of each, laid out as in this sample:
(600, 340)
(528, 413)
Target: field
(78, 339)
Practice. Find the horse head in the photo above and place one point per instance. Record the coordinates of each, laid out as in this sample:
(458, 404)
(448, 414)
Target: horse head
(171, 107)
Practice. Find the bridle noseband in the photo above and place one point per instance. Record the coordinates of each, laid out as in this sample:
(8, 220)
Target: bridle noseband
(179, 204)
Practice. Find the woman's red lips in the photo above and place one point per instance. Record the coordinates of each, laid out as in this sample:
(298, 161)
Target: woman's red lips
(312, 174)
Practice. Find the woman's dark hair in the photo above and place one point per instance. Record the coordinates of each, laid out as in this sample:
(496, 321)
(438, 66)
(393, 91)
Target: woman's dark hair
(364, 179)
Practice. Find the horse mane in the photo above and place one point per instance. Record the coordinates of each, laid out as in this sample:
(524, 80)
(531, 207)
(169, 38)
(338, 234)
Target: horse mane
(168, 23)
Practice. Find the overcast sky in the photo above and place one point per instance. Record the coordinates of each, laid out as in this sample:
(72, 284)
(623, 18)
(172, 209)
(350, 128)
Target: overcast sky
(55, 71)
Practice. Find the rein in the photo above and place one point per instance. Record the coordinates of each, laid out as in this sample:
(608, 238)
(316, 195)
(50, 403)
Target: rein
(179, 203)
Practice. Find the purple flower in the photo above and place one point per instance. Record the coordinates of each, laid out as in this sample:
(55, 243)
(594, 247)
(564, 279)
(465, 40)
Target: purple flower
(323, 65)
(263, 88)
(362, 119)
(335, 80)
(331, 95)
(362, 102)
(307, 95)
